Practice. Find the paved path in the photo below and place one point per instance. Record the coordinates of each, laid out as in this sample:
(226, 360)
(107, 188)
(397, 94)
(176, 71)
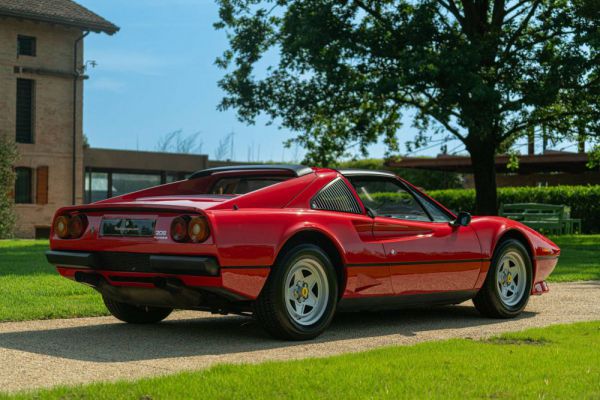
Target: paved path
(58, 352)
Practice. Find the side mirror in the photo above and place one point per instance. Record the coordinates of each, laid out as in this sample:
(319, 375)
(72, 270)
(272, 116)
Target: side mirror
(370, 212)
(462, 219)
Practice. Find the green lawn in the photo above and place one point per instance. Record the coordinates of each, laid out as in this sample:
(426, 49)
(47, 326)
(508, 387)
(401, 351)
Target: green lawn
(579, 258)
(31, 288)
(555, 362)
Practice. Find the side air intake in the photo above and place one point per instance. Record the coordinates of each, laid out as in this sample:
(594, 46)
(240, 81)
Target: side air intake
(336, 197)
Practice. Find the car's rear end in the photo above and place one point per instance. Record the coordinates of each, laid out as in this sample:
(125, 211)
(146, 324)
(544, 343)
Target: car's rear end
(158, 248)
(144, 254)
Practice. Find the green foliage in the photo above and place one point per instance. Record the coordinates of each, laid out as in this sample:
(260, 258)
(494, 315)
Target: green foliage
(484, 73)
(8, 156)
(583, 200)
(421, 178)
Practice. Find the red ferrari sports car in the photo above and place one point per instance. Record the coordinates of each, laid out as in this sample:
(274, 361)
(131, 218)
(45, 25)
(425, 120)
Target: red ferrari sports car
(293, 244)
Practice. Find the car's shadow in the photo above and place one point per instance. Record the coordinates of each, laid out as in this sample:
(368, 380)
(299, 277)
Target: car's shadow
(119, 342)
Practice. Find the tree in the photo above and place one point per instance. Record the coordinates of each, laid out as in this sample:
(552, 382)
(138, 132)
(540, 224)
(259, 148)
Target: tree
(8, 156)
(225, 147)
(480, 71)
(176, 142)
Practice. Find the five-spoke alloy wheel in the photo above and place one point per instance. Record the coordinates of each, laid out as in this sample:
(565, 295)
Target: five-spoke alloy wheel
(307, 291)
(299, 299)
(507, 287)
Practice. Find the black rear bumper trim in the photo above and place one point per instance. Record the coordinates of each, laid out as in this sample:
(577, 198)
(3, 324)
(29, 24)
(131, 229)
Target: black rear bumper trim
(136, 262)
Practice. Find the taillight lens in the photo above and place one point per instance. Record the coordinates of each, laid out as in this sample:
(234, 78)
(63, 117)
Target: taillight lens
(179, 229)
(77, 226)
(70, 226)
(198, 230)
(61, 226)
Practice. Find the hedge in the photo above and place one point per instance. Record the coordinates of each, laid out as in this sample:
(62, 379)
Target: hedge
(583, 200)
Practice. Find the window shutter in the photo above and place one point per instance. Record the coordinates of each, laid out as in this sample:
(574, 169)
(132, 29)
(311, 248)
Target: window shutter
(42, 185)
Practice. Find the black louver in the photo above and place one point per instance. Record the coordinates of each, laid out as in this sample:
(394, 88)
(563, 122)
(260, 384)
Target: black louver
(336, 197)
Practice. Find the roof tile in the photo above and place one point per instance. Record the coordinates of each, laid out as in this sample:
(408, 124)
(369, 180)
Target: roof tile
(64, 12)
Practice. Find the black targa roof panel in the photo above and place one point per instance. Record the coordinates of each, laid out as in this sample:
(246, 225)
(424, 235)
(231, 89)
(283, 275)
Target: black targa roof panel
(297, 170)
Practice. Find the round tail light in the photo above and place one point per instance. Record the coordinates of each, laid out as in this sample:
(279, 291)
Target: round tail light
(77, 226)
(61, 226)
(198, 230)
(179, 229)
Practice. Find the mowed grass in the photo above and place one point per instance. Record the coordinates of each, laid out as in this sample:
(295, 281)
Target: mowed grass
(579, 258)
(555, 362)
(31, 288)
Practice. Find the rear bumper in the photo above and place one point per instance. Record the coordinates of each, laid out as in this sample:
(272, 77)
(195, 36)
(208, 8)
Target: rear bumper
(136, 262)
(112, 273)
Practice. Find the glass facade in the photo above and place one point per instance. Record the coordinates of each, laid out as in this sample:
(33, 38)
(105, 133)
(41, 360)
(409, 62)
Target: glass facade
(101, 185)
(123, 183)
(96, 186)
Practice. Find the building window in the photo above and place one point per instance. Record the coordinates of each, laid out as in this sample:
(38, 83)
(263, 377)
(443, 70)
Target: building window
(42, 232)
(25, 94)
(23, 185)
(96, 186)
(123, 183)
(26, 45)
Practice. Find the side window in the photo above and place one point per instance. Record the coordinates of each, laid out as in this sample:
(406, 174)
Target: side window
(387, 198)
(436, 213)
(336, 196)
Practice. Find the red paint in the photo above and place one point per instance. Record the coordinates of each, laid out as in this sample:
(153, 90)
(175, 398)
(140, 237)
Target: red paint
(381, 256)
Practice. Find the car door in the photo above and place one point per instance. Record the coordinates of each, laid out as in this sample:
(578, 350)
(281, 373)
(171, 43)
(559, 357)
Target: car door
(426, 254)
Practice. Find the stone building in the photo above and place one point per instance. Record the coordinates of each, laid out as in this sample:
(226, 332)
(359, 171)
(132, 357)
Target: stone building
(41, 102)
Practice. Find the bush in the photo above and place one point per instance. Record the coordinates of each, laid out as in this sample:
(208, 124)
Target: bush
(8, 155)
(583, 200)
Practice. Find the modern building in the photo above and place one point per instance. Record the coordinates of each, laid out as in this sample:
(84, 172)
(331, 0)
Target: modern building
(41, 102)
(548, 169)
(110, 173)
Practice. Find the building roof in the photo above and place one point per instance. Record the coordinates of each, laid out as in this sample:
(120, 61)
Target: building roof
(63, 12)
(549, 162)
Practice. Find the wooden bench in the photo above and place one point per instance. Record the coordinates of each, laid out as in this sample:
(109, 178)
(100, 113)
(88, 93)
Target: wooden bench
(549, 218)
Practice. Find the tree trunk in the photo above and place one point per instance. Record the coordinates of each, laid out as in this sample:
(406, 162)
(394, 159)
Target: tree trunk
(484, 172)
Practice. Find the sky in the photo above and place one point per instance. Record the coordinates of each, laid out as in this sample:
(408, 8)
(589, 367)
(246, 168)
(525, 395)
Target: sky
(157, 75)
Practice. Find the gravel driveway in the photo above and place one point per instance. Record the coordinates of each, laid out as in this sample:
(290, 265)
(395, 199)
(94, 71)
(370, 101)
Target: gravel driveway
(37, 354)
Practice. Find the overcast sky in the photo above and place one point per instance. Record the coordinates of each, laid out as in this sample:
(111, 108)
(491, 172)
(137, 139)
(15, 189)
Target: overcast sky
(157, 75)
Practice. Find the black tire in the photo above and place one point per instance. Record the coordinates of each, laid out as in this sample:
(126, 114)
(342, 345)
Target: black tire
(270, 308)
(136, 314)
(488, 301)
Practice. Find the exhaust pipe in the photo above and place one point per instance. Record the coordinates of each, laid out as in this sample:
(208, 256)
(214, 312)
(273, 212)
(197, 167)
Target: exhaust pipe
(170, 284)
(89, 279)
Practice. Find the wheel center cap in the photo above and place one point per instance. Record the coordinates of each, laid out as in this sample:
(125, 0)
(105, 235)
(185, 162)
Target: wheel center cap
(304, 292)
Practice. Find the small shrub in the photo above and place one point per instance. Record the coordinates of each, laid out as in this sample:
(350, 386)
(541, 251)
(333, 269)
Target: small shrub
(8, 156)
